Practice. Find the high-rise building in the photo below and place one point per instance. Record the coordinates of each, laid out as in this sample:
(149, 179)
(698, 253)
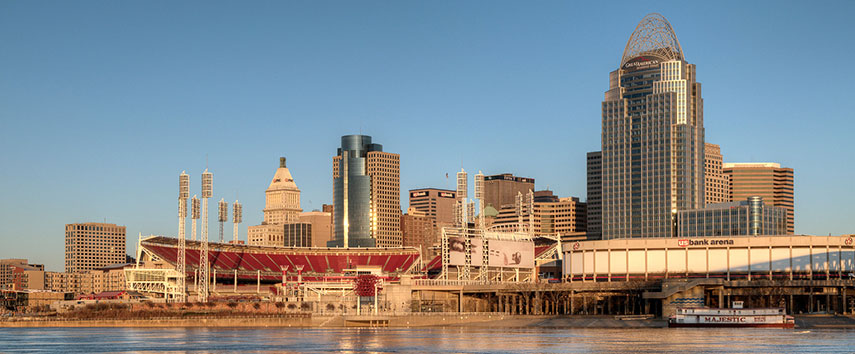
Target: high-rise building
(594, 226)
(770, 181)
(282, 197)
(652, 136)
(93, 245)
(436, 204)
(281, 206)
(501, 190)
(715, 181)
(366, 195)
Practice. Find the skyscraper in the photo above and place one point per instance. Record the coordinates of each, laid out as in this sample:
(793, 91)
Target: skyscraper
(366, 195)
(715, 181)
(282, 206)
(595, 195)
(767, 180)
(652, 136)
(93, 245)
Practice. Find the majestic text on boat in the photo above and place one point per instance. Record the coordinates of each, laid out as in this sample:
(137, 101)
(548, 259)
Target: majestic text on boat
(709, 317)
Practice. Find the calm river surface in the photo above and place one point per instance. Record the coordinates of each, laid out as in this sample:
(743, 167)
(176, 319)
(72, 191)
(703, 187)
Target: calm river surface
(424, 340)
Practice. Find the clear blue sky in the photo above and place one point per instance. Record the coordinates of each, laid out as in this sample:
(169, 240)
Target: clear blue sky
(104, 103)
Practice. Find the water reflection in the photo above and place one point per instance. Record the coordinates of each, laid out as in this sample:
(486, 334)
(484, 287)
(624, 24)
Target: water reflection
(423, 340)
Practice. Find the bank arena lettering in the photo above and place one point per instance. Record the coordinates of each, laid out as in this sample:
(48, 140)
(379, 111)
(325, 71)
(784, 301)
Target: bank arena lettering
(705, 242)
(737, 257)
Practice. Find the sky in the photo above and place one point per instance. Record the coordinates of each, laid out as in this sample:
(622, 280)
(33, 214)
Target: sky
(104, 103)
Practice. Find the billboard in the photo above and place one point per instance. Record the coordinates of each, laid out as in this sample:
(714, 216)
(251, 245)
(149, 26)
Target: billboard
(503, 253)
(511, 254)
(457, 256)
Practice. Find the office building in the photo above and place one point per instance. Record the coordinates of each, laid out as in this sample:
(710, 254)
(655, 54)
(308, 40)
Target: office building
(93, 245)
(594, 202)
(321, 223)
(770, 181)
(715, 181)
(281, 206)
(552, 215)
(366, 195)
(298, 234)
(282, 197)
(749, 217)
(436, 204)
(417, 230)
(502, 189)
(652, 136)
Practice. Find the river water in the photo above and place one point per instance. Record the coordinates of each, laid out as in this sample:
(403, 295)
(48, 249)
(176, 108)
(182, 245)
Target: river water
(424, 340)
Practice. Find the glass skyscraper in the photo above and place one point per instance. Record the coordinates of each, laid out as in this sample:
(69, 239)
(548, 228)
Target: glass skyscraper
(652, 136)
(366, 195)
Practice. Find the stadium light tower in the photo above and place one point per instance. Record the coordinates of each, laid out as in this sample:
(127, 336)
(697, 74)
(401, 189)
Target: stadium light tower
(479, 196)
(183, 194)
(237, 218)
(222, 216)
(462, 187)
(194, 214)
(207, 192)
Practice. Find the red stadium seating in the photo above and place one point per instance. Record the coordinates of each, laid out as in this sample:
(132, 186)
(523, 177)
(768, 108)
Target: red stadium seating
(317, 263)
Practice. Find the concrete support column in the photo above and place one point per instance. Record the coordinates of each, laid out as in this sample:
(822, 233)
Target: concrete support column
(572, 304)
(810, 301)
(790, 303)
(585, 303)
(827, 303)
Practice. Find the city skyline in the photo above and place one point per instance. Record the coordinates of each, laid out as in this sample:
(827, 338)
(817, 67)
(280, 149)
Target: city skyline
(491, 95)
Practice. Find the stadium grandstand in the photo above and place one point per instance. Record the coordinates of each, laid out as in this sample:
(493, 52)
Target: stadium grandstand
(246, 266)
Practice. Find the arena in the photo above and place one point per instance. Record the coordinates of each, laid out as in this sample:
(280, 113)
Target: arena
(739, 257)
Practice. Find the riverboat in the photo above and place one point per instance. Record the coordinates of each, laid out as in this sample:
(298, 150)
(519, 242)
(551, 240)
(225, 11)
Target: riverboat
(710, 317)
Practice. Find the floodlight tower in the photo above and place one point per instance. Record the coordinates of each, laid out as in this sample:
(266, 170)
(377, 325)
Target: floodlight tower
(485, 245)
(223, 215)
(237, 217)
(531, 213)
(183, 194)
(204, 274)
(462, 188)
(479, 196)
(520, 204)
(463, 207)
(194, 214)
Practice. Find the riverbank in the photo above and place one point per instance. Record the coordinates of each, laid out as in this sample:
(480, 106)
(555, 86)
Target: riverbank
(474, 320)
(464, 320)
